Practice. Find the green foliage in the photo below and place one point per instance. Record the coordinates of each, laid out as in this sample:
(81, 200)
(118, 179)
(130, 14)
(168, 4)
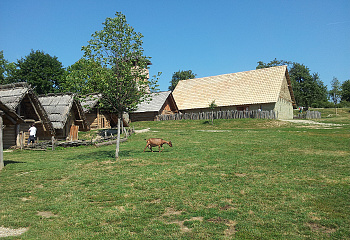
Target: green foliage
(212, 105)
(335, 92)
(42, 71)
(83, 77)
(3, 64)
(119, 48)
(7, 70)
(180, 75)
(273, 63)
(239, 179)
(308, 89)
(345, 91)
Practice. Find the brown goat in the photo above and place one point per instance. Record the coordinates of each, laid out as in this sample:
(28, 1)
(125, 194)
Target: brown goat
(153, 142)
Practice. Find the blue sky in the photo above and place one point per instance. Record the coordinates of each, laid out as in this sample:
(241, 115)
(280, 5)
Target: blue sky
(208, 37)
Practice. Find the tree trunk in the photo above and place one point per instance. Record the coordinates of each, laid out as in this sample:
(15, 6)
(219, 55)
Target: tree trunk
(118, 138)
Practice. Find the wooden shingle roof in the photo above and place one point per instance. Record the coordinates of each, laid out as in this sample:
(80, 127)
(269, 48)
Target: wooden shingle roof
(12, 94)
(58, 107)
(242, 88)
(155, 103)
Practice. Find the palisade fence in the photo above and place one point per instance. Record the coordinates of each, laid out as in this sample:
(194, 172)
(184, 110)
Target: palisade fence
(229, 114)
(308, 115)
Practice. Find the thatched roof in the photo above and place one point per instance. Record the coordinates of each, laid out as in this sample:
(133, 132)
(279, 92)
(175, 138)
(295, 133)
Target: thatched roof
(155, 103)
(10, 114)
(58, 107)
(90, 101)
(242, 88)
(12, 95)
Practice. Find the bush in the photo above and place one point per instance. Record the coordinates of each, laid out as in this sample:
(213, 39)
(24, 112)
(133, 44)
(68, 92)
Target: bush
(343, 104)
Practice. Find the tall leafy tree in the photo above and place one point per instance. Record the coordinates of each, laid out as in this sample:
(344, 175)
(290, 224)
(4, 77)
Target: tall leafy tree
(7, 70)
(345, 91)
(119, 48)
(335, 92)
(42, 71)
(83, 77)
(180, 75)
(3, 64)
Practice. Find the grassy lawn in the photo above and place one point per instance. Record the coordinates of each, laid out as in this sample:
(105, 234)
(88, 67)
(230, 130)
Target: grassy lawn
(244, 179)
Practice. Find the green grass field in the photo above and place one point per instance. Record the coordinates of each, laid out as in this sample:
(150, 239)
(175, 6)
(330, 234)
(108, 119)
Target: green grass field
(243, 179)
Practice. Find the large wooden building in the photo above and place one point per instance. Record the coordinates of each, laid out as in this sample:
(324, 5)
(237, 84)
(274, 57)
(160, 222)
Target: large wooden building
(20, 98)
(265, 89)
(64, 111)
(157, 104)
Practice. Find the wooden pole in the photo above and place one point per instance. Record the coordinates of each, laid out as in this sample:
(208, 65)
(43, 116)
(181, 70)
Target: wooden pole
(118, 137)
(53, 143)
(1, 146)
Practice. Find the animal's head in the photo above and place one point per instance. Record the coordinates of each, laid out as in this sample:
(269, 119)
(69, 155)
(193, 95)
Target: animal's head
(170, 144)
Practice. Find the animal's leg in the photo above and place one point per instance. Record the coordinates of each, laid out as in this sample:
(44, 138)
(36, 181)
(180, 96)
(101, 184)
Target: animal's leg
(146, 147)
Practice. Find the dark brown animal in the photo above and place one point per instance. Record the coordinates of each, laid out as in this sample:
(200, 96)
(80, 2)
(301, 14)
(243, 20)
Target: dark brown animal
(153, 142)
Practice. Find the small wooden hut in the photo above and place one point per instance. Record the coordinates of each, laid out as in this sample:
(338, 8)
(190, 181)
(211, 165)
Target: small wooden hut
(64, 111)
(97, 117)
(20, 98)
(8, 118)
(158, 103)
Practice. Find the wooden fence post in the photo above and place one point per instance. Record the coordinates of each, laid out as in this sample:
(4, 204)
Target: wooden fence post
(1, 145)
(53, 143)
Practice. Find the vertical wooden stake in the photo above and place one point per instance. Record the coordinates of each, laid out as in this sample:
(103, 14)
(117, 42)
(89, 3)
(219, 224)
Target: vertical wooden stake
(53, 143)
(1, 146)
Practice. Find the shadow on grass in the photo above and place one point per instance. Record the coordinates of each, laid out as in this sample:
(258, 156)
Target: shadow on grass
(11, 162)
(100, 155)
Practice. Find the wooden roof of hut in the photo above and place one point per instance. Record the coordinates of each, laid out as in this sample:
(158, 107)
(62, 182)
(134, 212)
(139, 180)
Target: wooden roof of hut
(12, 95)
(155, 102)
(90, 101)
(242, 88)
(58, 107)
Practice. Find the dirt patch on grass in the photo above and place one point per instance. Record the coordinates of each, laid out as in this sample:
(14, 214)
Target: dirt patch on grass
(182, 224)
(231, 230)
(315, 227)
(272, 124)
(240, 174)
(320, 152)
(171, 211)
(313, 124)
(10, 232)
(46, 214)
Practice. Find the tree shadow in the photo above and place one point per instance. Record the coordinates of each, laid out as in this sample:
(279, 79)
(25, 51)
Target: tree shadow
(6, 162)
(100, 155)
